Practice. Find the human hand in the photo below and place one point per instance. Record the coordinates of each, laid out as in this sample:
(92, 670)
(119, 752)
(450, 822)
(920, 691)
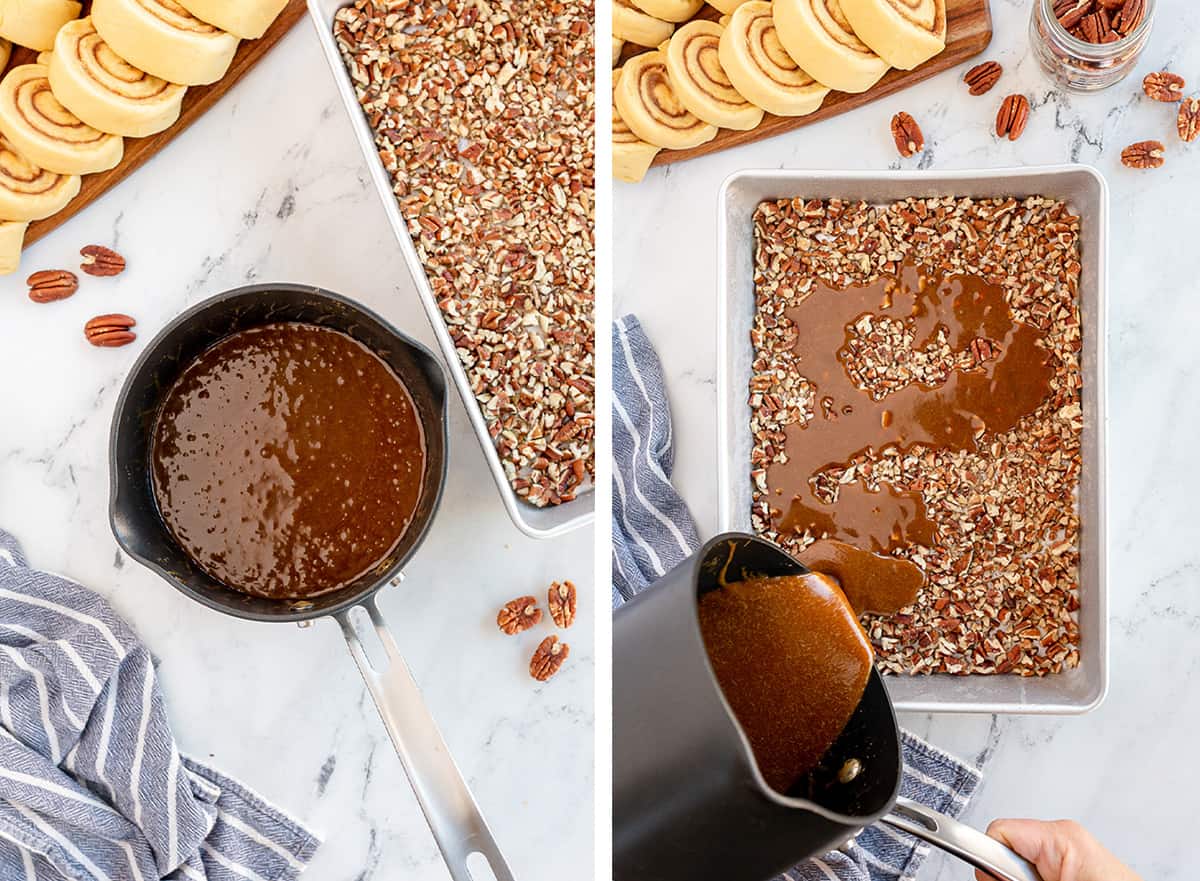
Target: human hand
(1062, 851)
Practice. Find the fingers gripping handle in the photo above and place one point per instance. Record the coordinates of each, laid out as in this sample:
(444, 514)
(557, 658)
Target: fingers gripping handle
(962, 841)
(449, 808)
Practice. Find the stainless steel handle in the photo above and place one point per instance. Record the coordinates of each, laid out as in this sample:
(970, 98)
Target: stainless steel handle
(449, 808)
(962, 841)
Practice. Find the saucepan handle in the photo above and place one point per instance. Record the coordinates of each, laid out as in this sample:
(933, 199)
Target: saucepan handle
(449, 808)
(961, 840)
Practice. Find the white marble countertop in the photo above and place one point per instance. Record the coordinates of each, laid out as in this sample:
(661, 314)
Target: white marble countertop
(270, 185)
(1122, 761)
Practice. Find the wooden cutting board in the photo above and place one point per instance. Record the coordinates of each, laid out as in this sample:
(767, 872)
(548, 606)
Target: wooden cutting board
(968, 32)
(197, 100)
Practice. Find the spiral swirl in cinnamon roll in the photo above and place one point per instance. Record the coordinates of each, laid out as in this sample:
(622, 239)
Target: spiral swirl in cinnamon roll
(904, 33)
(106, 91)
(635, 26)
(30, 193)
(670, 10)
(760, 69)
(33, 23)
(650, 107)
(818, 33)
(631, 156)
(12, 238)
(165, 40)
(700, 81)
(248, 19)
(48, 134)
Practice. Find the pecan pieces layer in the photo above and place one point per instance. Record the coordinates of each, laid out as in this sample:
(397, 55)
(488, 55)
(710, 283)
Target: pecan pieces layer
(548, 658)
(982, 77)
(50, 285)
(518, 615)
(562, 599)
(1144, 154)
(907, 135)
(101, 261)
(1012, 118)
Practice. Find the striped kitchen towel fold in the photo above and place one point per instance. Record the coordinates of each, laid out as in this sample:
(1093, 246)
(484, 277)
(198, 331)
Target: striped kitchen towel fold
(653, 532)
(92, 786)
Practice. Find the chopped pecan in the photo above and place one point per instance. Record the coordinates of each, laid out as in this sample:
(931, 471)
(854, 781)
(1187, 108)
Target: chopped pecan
(1143, 154)
(52, 284)
(110, 331)
(982, 77)
(562, 599)
(1163, 86)
(1188, 123)
(518, 615)
(548, 658)
(102, 261)
(1013, 115)
(907, 134)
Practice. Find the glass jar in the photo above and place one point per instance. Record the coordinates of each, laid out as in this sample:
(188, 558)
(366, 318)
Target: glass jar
(1077, 64)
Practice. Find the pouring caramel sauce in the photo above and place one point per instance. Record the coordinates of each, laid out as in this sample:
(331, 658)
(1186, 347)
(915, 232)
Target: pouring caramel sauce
(1007, 377)
(790, 655)
(288, 460)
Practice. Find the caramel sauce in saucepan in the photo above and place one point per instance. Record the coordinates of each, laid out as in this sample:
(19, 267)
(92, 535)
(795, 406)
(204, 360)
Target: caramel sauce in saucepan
(993, 394)
(790, 655)
(288, 460)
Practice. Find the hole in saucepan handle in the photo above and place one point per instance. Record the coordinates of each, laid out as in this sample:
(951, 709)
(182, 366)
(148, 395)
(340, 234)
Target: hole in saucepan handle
(914, 817)
(480, 868)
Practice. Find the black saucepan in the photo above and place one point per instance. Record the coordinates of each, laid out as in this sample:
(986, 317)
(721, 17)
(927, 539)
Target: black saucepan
(448, 805)
(688, 799)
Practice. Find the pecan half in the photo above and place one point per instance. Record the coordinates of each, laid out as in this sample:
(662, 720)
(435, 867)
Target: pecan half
(1163, 86)
(102, 261)
(1131, 16)
(548, 658)
(110, 331)
(982, 77)
(518, 615)
(1143, 154)
(1188, 123)
(1096, 27)
(1071, 12)
(1110, 5)
(1013, 115)
(907, 135)
(52, 284)
(562, 600)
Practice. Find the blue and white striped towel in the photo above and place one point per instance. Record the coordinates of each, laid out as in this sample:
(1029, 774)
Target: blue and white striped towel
(92, 787)
(653, 532)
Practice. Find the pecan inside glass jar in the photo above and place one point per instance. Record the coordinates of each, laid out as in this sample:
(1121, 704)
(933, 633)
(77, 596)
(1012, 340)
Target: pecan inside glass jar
(1087, 45)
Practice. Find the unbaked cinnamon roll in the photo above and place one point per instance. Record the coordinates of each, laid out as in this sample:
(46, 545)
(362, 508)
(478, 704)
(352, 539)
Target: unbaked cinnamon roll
(33, 23)
(248, 19)
(759, 68)
(12, 238)
(904, 33)
(106, 91)
(617, 46)
(817, 33)
(726, 6)
(30, 193)
(48, 134)
(635, 26)
(651, 108)
(670, 10)
(700, 81)
(631, 156)
(165, 40)
(5, 53)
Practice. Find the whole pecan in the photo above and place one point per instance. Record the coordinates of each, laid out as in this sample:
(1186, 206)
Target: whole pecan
(1095, 27)
(982, 77)
(1013, 115)
(1163, 86)
(1071, 12)
(110, 331)
(52, 284)
(562, 599)
(1131, 16)
(99, 260)
(548, 658)
(1144, 154)
(1188, 123)
(1110, 5)
(518, 615)
(907, 135)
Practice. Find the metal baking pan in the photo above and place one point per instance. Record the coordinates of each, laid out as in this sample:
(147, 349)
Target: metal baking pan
(1076, 691)
(533, 521)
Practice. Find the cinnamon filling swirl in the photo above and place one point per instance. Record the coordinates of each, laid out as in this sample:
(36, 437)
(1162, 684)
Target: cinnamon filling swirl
(37, 107)
(171, 13)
